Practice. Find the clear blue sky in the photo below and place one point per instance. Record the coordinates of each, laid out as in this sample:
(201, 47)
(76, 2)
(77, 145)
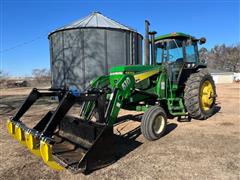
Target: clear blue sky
(25, 20)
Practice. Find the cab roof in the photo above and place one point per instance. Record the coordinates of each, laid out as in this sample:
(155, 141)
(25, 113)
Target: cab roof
(174, 35)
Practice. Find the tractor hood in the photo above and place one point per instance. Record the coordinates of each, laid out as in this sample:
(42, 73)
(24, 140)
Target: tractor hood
(133, 69)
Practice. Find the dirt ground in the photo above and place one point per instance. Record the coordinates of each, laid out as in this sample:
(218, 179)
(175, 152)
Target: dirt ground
(207, 149)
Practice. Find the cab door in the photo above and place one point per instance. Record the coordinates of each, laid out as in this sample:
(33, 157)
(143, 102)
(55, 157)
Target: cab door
(174, 59)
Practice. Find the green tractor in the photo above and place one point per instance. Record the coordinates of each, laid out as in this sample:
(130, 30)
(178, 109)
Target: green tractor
(173, 83)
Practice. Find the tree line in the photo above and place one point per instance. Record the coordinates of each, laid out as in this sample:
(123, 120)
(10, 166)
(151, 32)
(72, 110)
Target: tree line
(222, 57)
(41, 75)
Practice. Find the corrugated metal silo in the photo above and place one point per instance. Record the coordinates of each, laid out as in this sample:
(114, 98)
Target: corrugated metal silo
(90, 46)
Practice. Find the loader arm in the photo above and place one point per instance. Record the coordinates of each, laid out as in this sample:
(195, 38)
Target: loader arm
(57, 133)
(122, 90)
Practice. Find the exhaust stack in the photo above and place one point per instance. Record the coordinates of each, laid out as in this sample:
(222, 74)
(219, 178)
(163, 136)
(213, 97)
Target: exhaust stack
(146, 43)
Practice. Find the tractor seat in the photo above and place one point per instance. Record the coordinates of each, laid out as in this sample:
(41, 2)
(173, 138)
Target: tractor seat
(179, 60)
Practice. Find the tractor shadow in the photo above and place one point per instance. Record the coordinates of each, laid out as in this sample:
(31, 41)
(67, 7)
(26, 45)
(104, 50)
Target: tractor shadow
(127, 142)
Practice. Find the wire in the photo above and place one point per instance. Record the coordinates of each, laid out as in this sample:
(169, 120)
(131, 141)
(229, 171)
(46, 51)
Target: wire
(22, 44)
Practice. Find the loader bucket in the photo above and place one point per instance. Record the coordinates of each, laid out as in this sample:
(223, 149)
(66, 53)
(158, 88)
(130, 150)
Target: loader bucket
(79, 146)
(64, 141)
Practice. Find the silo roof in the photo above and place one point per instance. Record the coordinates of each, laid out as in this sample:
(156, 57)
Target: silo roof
(95, 19)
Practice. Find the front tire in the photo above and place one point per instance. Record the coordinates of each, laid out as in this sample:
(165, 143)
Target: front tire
(154, 122)
(200, 95)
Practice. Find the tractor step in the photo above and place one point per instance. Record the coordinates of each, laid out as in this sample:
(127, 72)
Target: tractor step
(176, 106)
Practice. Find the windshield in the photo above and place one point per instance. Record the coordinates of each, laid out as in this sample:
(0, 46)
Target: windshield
(175, 51)
(169, 50)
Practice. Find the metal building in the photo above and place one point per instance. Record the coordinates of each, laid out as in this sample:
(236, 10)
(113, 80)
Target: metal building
(87, 48)
(223, 77)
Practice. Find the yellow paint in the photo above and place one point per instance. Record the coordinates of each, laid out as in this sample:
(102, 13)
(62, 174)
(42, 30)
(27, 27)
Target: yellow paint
(19, 135)
(32, 144)
(206, 95)
(46, 153)
(10, 127)
(145, 75)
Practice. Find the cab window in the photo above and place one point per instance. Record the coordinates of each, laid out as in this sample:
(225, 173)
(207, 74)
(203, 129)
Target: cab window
(190, 53)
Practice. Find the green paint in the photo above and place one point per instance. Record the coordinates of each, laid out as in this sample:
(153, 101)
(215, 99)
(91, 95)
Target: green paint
(134, 69)
(140, 95)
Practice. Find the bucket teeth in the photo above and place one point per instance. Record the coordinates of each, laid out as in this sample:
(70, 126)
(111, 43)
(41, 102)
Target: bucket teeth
(19, 134)
(32, 144)
(16, 131)
(46, 153)
(10, 127)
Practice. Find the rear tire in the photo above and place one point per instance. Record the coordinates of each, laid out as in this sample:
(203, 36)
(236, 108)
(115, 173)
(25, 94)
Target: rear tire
(200, 95)
(154, 122)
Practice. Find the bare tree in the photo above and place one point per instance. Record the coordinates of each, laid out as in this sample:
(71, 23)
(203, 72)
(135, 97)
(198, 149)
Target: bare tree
(233, 59)
(41, 75)
(203, 54)
(3, 79)
(222, 57)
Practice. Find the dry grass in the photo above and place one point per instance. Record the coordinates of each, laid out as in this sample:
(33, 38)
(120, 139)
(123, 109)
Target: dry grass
(190, 150)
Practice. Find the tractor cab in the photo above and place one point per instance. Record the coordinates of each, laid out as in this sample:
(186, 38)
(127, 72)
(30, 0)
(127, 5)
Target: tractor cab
(179, 52)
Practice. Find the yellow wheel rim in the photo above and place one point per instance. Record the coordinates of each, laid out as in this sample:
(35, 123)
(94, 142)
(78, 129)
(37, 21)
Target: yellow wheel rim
(206, 95)
(158, 124)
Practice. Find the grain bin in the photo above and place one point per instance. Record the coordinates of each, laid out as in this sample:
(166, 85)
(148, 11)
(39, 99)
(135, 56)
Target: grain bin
(87, 48)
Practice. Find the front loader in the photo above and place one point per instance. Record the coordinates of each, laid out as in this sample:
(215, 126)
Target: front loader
(172, 83)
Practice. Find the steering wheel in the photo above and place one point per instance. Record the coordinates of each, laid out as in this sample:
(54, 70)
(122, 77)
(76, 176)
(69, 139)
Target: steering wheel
(165, 56)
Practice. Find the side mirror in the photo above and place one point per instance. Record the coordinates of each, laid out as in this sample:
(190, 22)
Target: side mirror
(202, 40)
